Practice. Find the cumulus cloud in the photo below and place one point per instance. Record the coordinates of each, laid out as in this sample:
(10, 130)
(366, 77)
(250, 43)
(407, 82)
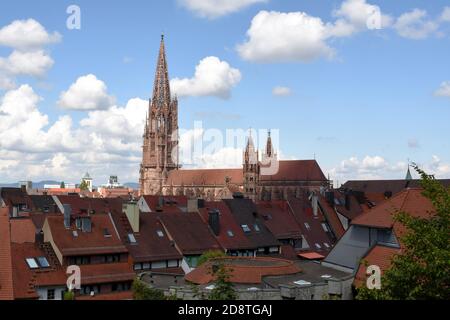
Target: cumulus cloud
(443, 90)
(376, 167)
(87, 93)
(33, 63)
(213, 77)
(281, 91)
(415, 25)
(216, 8)
(28, 39)
(276, 36)
(105, 142)
(356, 15)
(27, 34)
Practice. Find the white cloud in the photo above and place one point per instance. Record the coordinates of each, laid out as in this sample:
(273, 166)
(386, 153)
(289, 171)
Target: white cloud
(445, 16)
(356, 15)
(26, 34)
(415, 25)
(33, 63)
(444, 90)
(104, 143)
(87, 93)
(28, 39)
(376, 167)
(281, 91)
(216, 8)
(279, 37)
(213, 77)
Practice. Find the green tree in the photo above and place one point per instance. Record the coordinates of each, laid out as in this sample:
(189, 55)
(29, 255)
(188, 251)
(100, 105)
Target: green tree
(69, 295)
(63, 185)
(84, 186)
(223, 287)
(209, 255)
(143, 292)
(422, 270)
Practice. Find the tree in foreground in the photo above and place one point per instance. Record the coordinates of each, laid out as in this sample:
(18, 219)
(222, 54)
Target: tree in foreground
(84, 186)
(223, 287)
(422, 270)
(143, 292)
(210, 255)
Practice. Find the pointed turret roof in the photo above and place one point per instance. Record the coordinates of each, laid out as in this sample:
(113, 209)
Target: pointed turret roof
(408, 175)
(161, 90)
(269, 146)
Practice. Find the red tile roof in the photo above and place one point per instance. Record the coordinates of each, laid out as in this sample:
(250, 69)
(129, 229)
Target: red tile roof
(6, 280)
(190, 233)
(170, 203)
(280, 220)
(297, 170)
(332, 217)
(22, 230)
(79, 205)
(149, 246)
(409, 200)
(27, 280)
(106, 273)
(227, 223)
(209, 177)
(311, 256)
(86, 243)
(314, 233)
(380, 256)
(245, 270)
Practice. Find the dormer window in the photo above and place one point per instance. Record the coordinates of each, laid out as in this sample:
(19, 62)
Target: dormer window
(131, 238)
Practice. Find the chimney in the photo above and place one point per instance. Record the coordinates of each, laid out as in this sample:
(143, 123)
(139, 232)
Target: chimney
(347, 200)
(315, 204)
(131, 210)
(67, 213)
(39, 237)
(330, 197)
(193, 205)
(214, 221)
(86, 224)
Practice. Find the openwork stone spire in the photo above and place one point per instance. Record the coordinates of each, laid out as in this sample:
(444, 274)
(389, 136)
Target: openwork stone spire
(161, 89)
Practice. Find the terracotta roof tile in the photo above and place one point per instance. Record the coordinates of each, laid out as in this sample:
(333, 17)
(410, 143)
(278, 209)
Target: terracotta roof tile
(280, 220)
(190, 233)
(205, 177)
(227, 223)
(378, 255)
(22, 230)
(245, 270)
(297, 170)
(94, 242)
(6, 279)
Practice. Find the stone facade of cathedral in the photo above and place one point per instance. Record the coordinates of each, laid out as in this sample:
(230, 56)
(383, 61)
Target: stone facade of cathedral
(161, 174)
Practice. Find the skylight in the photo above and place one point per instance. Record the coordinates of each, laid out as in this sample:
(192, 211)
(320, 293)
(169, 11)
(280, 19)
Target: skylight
(75, 234)
(245, 228)
(106, 233)
(230, 233)
(43, 263)
(307, 226)
(325, 227)
(302, 283)
(326, 244)
(160, 233)
(256, 227)
(32, 263)
(131, 238)
(318, 246)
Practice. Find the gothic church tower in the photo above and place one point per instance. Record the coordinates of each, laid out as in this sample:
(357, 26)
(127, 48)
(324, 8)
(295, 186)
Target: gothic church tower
(160, 148)
(251, 169)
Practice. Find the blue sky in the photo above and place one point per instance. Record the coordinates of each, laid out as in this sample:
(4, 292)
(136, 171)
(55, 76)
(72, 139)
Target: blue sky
(362, 112)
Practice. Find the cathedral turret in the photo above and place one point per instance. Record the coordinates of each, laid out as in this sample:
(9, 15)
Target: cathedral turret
(160, 148)
(269, 153)
(251, 169)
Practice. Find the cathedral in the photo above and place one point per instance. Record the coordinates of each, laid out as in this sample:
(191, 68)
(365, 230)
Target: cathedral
(161, 174)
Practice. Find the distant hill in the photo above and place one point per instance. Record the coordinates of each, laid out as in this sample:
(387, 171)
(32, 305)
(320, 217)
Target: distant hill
(40, 185)
(132, 185)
